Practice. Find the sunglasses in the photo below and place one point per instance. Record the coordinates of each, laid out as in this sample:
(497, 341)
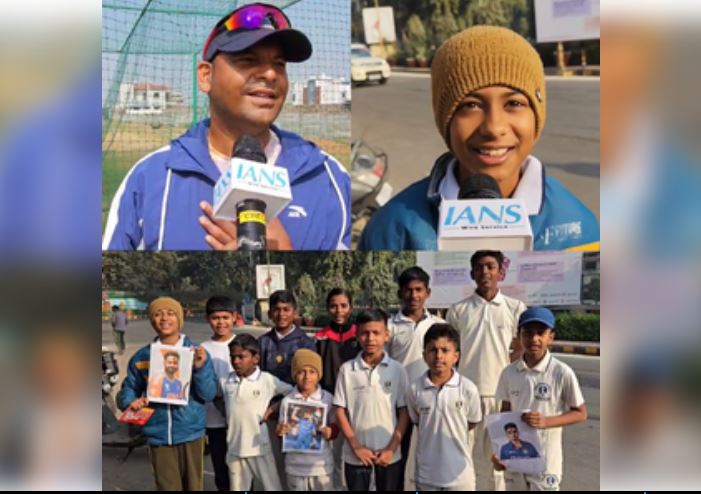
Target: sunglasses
(254, 16)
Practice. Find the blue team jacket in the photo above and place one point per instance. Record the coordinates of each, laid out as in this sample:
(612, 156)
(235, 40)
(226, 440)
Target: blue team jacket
(157, 205)
(410, 220)
(170, 424)
(276, 355)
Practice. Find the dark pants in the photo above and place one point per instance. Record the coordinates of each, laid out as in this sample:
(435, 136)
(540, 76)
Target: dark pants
(406, 443)
(217, 450)
(119, 340)
(386, 478)
(179, 467)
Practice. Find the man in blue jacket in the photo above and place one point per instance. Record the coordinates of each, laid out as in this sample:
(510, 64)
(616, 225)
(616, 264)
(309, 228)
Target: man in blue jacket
(164, 201)
(174, 433)
(488, 88)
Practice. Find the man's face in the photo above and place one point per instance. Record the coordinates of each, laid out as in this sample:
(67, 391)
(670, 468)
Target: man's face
(512, 434)
(171, 364)
(283, 315)
(492, 133)
(413, 295)
(486, 273)
(246, 89)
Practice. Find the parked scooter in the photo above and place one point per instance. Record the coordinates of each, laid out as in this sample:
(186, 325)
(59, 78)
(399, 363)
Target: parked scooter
(369, 188)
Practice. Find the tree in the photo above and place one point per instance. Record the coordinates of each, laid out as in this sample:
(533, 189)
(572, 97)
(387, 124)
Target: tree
(414, 38)
(305, 293)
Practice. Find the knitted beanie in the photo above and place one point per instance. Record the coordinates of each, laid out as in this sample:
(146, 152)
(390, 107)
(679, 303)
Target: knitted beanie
(166, 303)
(303, 357)
(484, 56)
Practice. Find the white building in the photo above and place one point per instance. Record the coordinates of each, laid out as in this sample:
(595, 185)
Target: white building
(325, 90)
(146, 98)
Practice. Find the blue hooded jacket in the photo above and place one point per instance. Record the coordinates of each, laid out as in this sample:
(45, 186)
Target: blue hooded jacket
(170, 424)
(410, 220)
(157, 204)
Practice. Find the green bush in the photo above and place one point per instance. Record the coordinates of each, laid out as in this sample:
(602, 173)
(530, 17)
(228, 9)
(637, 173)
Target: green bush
(577, 327)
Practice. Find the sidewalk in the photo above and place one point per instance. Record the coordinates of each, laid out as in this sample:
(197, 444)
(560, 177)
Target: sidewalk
(576, 347)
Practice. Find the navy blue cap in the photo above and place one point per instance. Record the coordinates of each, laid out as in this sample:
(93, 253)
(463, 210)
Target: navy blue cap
(294, 44)
(537, 314)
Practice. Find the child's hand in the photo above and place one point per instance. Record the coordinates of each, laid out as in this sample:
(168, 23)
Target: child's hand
(535, 419)
(498, 466)
(366, 456)
(282, 429)
(326, 432)
(384, 457)
(138, 404)
(200, 357)
(272, 409)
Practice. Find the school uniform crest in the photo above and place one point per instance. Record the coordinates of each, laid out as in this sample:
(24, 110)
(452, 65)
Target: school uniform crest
(459, 404)
(551, 482)
(279, 359)
(387, 385)
(256, 393)
(542, 391)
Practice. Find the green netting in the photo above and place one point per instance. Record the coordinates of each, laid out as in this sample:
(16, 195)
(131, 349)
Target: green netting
(150, 50)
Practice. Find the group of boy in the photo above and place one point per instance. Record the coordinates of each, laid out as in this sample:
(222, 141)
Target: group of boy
(412, 368)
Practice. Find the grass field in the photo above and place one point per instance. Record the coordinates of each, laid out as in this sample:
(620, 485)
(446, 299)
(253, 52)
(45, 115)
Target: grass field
(132, 141)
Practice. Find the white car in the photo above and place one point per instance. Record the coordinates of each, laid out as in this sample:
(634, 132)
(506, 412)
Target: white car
(365, 67)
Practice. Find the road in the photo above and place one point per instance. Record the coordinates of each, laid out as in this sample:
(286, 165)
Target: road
(398, 118)
(581, 442)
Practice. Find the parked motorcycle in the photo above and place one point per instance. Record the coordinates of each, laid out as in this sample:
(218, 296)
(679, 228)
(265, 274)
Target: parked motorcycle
(369, 187)
(114, 432)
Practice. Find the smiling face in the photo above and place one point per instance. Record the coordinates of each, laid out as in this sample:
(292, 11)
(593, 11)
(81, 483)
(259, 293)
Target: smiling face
(221, 322)
(283, 316)
(339, 309)
(165, 322)
(246, 89)
(493, 132)
(414, 295)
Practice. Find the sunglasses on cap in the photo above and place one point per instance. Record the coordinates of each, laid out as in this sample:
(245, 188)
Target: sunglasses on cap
(249, 17)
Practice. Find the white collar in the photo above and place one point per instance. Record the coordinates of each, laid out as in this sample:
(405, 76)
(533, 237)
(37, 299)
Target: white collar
(399, 317)
(315, 396)
(529, 188)
(540, 367)
(361, 364)
(497, 300)
(273, 148)
(253, 377)
(452, 382)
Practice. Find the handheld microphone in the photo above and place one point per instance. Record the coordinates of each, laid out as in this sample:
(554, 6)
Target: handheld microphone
(251, 192)
(481, 219)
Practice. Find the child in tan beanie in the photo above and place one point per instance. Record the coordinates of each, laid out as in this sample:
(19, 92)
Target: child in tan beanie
(175, 433)
(488, 90)
(309, 472)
